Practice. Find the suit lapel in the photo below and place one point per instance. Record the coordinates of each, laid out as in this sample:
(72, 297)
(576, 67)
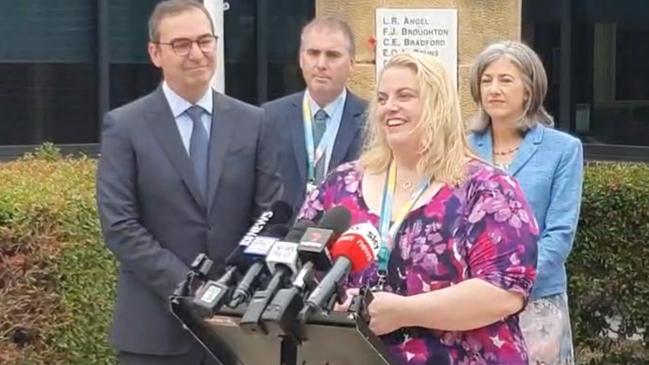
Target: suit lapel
(223, 122)
(163, 126)
(483, 145)
(529, 146)
(296, 126)
(350, 124)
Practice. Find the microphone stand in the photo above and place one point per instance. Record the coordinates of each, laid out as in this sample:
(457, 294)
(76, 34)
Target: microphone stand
(198, 270)
(358, 307)
(288, 351)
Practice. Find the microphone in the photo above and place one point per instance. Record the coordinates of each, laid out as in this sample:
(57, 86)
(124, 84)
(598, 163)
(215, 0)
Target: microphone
(282, 261)
(214, 293)
(354, 251)
(282, 257)
(313, 245)
(211, 296)
(280, 212)
(313, 250)
(279, 316)
(257, 250)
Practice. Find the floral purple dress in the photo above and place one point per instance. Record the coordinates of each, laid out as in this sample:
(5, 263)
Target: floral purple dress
(482, 228)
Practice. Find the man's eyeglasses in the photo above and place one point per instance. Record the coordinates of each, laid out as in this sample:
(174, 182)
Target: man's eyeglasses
(182, 46)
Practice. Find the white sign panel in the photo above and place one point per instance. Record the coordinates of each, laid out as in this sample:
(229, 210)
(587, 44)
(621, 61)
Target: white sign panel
(432, 31)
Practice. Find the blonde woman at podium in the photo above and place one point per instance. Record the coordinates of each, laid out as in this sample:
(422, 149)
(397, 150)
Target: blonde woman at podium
(458, 254)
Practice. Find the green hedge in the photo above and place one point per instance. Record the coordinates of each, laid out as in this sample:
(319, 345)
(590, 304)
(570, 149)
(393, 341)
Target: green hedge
(608, 269)
(57, 279)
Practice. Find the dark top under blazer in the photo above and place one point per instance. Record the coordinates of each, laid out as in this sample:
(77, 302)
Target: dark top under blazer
(153, 217)
(285, 115)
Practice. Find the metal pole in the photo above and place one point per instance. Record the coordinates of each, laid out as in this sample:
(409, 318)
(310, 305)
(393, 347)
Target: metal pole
(262, 51)
(103, 63)
(565, 72)
(216, 9)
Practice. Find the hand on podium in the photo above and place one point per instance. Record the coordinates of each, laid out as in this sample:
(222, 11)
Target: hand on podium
(386, 312)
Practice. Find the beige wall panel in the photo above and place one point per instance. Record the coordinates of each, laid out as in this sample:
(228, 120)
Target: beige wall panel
(480, 22)
(362, 80)
(466, 103)
(360, 16)
(416, 3)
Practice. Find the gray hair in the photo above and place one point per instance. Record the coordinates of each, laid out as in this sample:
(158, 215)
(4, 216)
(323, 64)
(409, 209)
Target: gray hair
(173, 7)
(332, 23)
(534, 78)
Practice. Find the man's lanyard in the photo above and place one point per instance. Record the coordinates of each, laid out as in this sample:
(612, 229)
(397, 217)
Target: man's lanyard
(314, 154)
(388, 233)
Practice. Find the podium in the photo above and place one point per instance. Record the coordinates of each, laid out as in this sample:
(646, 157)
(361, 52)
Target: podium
(337, 338)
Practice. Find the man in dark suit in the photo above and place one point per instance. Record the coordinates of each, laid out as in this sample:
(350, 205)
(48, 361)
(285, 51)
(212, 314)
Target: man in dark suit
(183, 170)
(321, 127)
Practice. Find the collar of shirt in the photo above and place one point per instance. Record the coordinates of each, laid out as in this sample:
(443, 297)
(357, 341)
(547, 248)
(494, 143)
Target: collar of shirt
(184, 123)
(331, 108)
(179, 105)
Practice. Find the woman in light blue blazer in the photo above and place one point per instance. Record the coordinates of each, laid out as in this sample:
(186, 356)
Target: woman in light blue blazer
(514, 132)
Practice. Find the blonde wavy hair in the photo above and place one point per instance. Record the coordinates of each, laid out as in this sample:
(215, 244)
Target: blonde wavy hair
(443, 144)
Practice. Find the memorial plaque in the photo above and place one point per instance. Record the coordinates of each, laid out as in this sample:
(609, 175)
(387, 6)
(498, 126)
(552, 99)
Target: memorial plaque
(432, 31)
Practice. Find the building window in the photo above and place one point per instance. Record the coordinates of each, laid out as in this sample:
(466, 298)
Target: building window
(131, 74)
(609, 78)
(51, 76)
(48, 77)
(618, 112)
(276, 45)
(286, 19)
(240, 50)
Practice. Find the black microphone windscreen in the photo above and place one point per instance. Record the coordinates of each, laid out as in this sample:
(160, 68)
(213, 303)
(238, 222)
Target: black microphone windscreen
(298, 230)
(279, 213)
(275, 230)
(282, 212)
(337, 219)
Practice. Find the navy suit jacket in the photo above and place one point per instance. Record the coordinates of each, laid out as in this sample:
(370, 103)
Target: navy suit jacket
(154, 218)
(285, 115)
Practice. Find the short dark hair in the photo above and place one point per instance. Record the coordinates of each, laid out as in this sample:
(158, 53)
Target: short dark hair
(173, 7)
(332, 23)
